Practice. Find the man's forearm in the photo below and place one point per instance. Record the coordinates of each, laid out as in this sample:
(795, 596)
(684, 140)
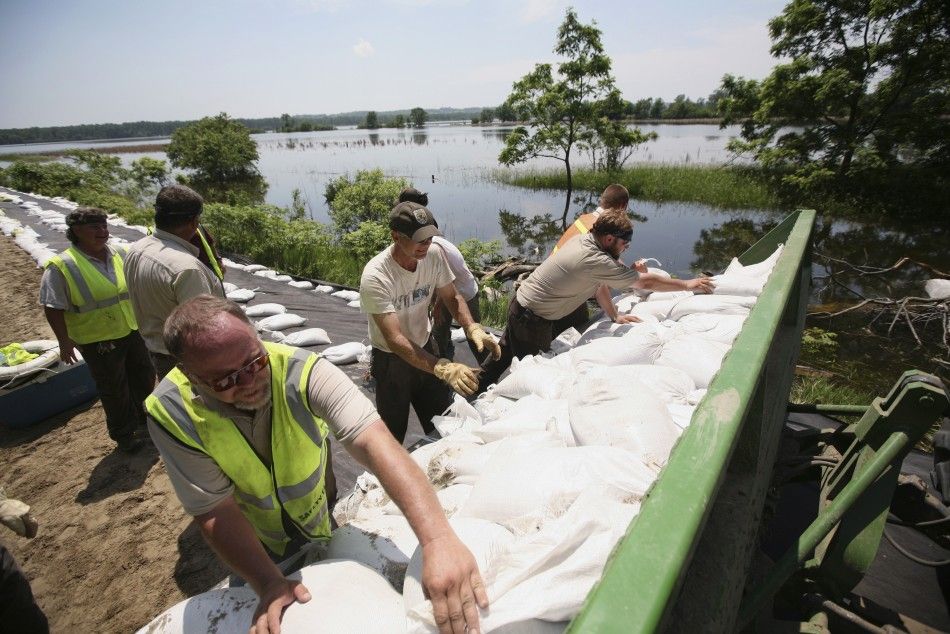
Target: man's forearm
(403, 480)
(57, 321)
(231, 536)
(653, 282)
(412, 354)
(606, 302)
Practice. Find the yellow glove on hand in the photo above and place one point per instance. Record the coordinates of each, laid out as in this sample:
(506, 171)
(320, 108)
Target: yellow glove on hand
(458, 376)
(477, 335)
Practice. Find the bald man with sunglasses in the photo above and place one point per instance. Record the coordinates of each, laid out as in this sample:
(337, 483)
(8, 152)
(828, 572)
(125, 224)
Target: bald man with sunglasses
(242, 427)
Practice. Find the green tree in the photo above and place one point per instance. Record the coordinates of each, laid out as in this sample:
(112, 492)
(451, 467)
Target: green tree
(613, 141)
(868, 82)
(505, 112)
(286, 123)
(641, 109)
(657, 108)
(368, 197)
(217, 148)
(566, 110)
(418, 117)
(487, 116)
(372, 121)
(399, 121)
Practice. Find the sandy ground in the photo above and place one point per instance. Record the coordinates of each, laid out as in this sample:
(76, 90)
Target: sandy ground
(114, 547)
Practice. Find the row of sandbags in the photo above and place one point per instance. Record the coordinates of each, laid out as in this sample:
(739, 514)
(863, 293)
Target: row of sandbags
(542, 475)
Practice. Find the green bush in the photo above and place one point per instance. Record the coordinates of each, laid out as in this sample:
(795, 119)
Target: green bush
(368, 197)
(477, 253)
(367, 240)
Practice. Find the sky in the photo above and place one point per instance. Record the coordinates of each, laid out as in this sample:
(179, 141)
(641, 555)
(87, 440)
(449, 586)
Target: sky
(65, 62)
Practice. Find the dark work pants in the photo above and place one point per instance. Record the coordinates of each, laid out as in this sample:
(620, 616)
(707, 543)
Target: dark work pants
(526, 334)
(18, 610)
(163, 363)
(124, 377)
(442, 330)
(399, 385)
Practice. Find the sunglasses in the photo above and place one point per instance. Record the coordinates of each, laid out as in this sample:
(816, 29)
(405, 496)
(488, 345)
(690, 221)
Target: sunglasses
(252, 368)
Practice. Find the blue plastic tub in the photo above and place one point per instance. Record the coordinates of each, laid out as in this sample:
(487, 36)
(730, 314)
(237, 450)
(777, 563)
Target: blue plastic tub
(51, 392)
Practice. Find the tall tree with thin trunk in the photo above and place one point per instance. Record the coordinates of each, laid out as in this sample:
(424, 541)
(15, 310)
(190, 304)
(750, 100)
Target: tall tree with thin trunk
(562, 106)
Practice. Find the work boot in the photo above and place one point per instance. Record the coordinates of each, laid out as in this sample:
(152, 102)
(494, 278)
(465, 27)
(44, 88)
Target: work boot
(129, 445)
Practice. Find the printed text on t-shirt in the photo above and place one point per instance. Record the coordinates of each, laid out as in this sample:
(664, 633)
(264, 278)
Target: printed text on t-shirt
(412, 298)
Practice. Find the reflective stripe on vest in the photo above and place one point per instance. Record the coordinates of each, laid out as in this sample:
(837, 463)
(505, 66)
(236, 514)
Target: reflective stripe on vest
(582, 225)
(210, 253)
(293, 487)
(99, 309)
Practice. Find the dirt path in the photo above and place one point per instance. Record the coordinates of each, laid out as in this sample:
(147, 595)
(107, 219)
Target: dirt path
(114, 547)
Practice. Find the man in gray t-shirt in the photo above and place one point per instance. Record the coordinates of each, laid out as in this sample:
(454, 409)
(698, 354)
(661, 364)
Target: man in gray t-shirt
(241, 426)
(587, 265)
(396, 289)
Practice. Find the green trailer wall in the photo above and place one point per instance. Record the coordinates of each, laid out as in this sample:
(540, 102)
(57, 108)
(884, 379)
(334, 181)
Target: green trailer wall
(684, 561)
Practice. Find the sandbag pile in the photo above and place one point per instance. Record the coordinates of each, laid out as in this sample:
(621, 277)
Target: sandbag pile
(542, 475)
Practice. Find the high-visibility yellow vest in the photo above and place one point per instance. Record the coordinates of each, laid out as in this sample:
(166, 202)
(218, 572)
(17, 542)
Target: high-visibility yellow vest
(291, 491)
(99, 310)
(582, 225)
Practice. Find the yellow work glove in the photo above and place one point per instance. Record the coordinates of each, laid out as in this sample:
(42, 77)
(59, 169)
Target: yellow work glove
(458, 376)
(477, 335)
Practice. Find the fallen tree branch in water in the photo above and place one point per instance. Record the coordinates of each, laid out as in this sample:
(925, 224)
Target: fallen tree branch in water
(876, 270)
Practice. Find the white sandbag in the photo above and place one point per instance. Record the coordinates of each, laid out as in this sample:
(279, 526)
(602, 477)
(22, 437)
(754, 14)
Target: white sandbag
(652, 311)
(627, 301)
(254, 268)
(385, 543)
(565, 341)
(491, 406)
(720, 304)
(265, 310)
(353, 584)
(229, 287)
(761, 269)
(274, 336)
(736, 284)
(462, 458)
(231, 264)
(458, 335)
(323, 288)
(529, 414)
(344, 353)
(265, 272)
(713, 326)
(353, 304)
(534, 374)
(281, 322)
(543, 482)
(545, 576)
(700, 358)
(448, 425)
(603, 328)
(670, 385)
(681, 414)
(622, 412)
(663, 296)
(307, 337)
(694, 397)
(282, 278)
(937, 289)
(483, 539)
(347, 295)
(304, 284)
(639, 345)
(241, 295)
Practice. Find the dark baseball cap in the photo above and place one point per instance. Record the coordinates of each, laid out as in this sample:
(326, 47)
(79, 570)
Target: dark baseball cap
(413, 220)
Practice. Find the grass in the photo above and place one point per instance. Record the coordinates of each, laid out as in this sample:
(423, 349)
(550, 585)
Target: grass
(494, 311)
(720, 186)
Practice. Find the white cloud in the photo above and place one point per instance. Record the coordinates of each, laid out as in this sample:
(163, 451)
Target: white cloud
(534, 10)
(695, 70)
(363, 48)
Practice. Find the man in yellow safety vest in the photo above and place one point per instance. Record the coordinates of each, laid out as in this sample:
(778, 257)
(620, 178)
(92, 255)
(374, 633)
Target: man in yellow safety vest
(84, 295)
(242, 427)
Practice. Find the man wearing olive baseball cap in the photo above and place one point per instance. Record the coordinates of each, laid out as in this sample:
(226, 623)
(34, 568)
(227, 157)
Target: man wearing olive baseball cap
(396, 289)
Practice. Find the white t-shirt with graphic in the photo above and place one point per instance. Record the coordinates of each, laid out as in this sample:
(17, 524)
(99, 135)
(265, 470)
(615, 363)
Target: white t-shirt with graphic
(386, 287)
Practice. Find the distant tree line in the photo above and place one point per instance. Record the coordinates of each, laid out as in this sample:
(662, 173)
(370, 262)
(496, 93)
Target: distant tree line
(140, 129)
